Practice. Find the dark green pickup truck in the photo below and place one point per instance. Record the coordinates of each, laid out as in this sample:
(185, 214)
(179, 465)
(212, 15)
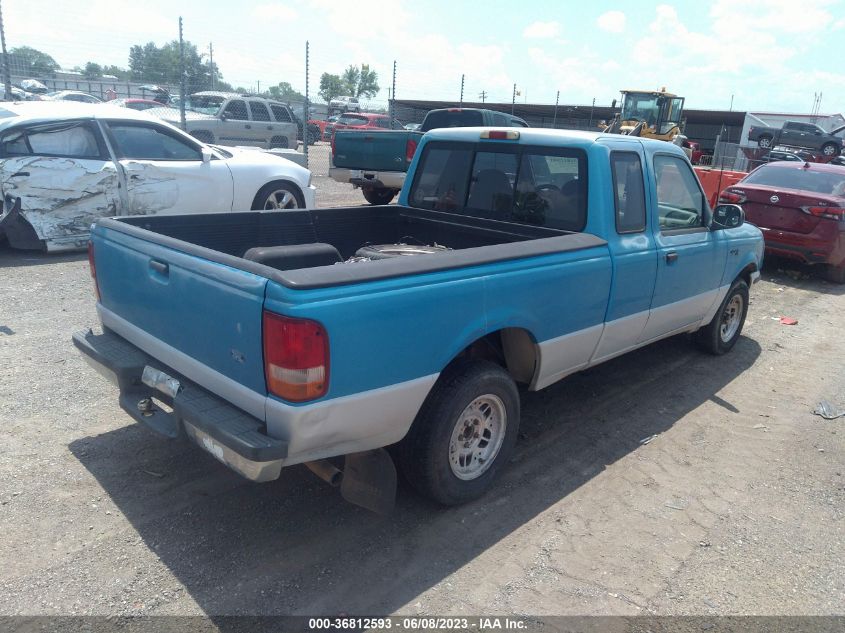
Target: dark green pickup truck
(377, 160)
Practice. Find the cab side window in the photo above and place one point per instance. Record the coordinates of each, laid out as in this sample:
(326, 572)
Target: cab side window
(236, 110)
(680, 201)
(73, 139)
(628, 192)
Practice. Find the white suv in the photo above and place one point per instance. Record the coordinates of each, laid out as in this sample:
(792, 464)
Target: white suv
(344, 104)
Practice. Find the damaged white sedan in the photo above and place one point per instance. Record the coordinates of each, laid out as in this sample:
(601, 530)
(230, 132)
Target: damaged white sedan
(63, 165)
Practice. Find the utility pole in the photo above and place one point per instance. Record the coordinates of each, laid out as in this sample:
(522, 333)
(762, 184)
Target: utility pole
(557, 101)
(393, 96)
(7, 75)
(258, 86)
(590, 124)
(513, 100)
(305, 113)
(462, 89)
(211, 62)
(182, 78)
(483, 96)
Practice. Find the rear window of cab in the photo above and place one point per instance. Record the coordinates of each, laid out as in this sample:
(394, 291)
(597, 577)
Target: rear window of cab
(511, 183)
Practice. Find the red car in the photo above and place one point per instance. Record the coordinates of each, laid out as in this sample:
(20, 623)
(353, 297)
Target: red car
(800, 207)
(360, 121)
(695, 151)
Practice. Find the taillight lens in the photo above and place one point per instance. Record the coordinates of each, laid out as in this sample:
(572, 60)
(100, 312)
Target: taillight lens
(332, 133)
(93, 266)
(410, 149)
(296, 357)
(731, 197)
(831, 213)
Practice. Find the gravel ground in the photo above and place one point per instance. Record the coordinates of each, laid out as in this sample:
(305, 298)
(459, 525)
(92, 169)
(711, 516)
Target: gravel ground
(735, 505)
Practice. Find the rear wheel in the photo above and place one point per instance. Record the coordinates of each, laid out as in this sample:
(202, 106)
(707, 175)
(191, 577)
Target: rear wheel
(278, 195)
(464, 433)
(830, 149)
(721, 334)
(765, 142)
(379, 196)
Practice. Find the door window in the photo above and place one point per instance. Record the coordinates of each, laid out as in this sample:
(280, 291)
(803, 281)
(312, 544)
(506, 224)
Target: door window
(680, 200)
(144, 142)
(259, 111)
(76, 139)
(236, 110)
(628, 192)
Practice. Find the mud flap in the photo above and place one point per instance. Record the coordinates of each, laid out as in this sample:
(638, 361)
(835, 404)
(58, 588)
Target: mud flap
(369, 481)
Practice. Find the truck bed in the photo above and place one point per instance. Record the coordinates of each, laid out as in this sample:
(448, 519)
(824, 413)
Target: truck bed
(225, 238)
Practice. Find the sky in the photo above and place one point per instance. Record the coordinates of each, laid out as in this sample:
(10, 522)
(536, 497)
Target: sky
(757, 55)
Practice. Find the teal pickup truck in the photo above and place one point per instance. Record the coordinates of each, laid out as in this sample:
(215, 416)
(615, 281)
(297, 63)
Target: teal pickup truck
(377, 160)
(514, 257)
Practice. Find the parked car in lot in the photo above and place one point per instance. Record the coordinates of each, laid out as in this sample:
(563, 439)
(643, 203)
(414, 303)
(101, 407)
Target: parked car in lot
(72, 95)
(800, 207)
(797, 134)
(55, 158)
(362, 121)
(137, 104)
(695, 152)
(344, 104)
(377, 164)
(234, 119)
(514, 257)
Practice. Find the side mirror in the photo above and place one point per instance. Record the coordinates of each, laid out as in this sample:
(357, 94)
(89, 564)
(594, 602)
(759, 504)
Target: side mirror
(727, 216)
(206, 155)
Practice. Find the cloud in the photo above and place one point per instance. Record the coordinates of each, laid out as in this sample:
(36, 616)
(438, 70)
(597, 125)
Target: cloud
(612, 21)
(541, 30)
(275, 11)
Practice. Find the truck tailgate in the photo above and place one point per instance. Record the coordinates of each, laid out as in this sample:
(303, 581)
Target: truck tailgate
(372, 150)
(189, 312)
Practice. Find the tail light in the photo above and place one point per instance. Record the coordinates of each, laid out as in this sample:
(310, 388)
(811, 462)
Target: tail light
(500, 135)
(731, 197)
(332, 142)
(296, 357)
(830, 213)
(93, 266)
(410, 149)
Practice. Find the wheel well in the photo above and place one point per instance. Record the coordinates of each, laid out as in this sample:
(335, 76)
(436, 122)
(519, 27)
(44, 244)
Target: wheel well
(514, 349)
(274, 183)
(745, 274)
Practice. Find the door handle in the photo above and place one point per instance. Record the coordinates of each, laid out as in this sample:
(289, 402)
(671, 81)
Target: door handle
(160, 267)
(19, 174)
(671, 257)
(249, 127)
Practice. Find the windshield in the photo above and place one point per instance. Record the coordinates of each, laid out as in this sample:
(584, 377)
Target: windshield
(205, 104)
(800, 179)
(658, 111)
(351, 119)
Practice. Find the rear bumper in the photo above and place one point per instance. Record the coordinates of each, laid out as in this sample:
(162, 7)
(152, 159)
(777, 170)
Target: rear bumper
(820, 247)
(234, 437)
(366, 178)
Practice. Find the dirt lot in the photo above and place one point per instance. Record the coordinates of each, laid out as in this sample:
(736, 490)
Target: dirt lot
(734, 507)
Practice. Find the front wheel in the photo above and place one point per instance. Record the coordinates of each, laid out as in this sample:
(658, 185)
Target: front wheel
(721, 334)
(464, 433)
(830, 149)
(379, 196)
(278, 196)
(765, 142)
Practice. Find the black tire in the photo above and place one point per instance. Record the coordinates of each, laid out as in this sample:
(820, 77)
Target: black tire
(280, 142)
(203, 135)
(765, 142)
(830, 149)
(716, 337)
(262, 197)
(379, 196)
(424, 454)
(313, 133)
(835, 274)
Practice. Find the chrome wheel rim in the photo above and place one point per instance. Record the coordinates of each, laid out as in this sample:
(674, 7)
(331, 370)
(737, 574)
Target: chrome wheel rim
(764, 142)
(477, 437)
(280, 199)
(731, 316)
(829, 150)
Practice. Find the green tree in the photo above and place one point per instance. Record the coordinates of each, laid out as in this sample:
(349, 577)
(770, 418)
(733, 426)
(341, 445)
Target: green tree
(360, 82)
(25, 60)
(161, 65)
(121, 73)
(285, 92)
(331, 86)
(92, 71)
